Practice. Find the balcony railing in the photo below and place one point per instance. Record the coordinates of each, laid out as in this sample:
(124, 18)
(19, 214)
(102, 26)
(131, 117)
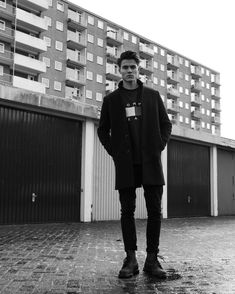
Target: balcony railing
(28, 64)
(114, 38)
(73, 77)
(27, 84)
(76, 40)
(38, 5)
(76, 20)
(146, 51)
(172, 76)
(173, 93)
(74, 58)
(31, 43)
(172, 62)
(30, 20)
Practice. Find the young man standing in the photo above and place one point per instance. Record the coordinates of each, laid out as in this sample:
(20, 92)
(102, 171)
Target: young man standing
(134, 128)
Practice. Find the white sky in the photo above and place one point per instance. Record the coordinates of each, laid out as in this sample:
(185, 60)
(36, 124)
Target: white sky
(202, 30)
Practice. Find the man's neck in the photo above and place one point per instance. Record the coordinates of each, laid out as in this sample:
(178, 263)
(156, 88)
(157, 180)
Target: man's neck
(131, 85)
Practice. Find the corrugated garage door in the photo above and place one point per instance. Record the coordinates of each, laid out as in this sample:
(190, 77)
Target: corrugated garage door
(188, 173)
(105, 199)
(40, 167)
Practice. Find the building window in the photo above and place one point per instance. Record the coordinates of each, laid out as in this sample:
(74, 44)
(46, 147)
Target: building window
(163, 97)
(46, 82)
(203, 83)
(91, 20)
(203, 110)
(203, 97)
(181, 89)
(47, 61)
(181, 104)
(155, 49)
(99, 97)
(59, 26)
(60, 6)
(100, 24)
(186, 105)
(162, 67)
(186, 120)
(162, 83)
(90, 38)
(208, 86)
(134, 39)
(2, 25)
(181, 118)
(1, 70)
(57, 86)
(186, 63)
(203, 125)
(90, 56)
(207, 72)
(59, 45)
(208, 126)
(100, 42)
(99, 78)
(2, 47)
(47, 40)
(89, 94)
(181, 61)
(155, 80)
(186, 77)
(187, 91)
(48, 20)
(89, 75)
(208, 113)
(58, 65)
(126, 36)
(155, 64)
(162, 52)
(100, 60)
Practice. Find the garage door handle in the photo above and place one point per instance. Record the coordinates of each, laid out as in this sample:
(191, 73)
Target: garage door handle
(33, 197)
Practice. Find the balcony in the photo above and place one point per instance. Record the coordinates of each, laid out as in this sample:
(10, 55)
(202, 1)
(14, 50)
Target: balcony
(29, 65)
(173, 118)
(172, 62)
(112, 54)
(215, 120)
(172, 77)
(6, 79)
(145, 51)
(7, 35)
(36, 5)
(195, 100)
(27, 84)
(76, 20)
(76, 40)
(173, 93)
(146, 67)
(110, 86)
(6, 58)
(195, 72)
(196, 115)
(74, 93)
(75, 59)
(215, 94)
(215, 81)
(114, 38)
(172, 107)
(74, 78)
(31, 21)
(196, 87)
(112, 73)
(29, 43)
(6, 11)
(215, 107)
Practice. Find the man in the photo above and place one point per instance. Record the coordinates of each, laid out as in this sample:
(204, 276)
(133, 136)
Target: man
(134, 128)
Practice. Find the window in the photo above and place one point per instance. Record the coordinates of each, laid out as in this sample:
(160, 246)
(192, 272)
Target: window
(202, 70)
(207, 85)
(2, 47)
(162, 52)
(126, 36)
(203, 83)
(155, 64)
(203, 110)
(60, 6)
(203, 125)
(2, 25)
(162, 83)
(99, 78)
(90, 38)
(186, 91)
(46, 82)
(163, 97)
(162, 67)
(91, 20)
(186, 105)
(100, 42)
(99, 97)
(47, 40)
(1, 70)
(100, 24)
(47, 61)
(100, 60)
(181, 89)
(181, 104)
(208, 126)
(155, 49)
(207, 72)
(181, 118)
(186, 120)
(89, 94)
(59, 26)
(186, 63)
(186, 77)
(57, 86)
(48, 20)
(59, 45)
(208, 113)
(58, 65)
(203, 97)
(155, 80)
(134, 39)
(90, 56)
(89, 75)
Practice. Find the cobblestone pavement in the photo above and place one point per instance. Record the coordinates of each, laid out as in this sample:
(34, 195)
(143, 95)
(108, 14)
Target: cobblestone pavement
(85, 258)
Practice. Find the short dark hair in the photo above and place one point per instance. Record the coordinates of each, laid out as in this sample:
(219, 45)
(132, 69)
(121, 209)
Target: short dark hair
(128, 55)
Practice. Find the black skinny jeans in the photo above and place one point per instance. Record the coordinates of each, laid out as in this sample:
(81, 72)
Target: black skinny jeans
(153, 196)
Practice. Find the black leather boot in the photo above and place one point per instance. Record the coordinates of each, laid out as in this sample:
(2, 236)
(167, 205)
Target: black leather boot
(152, 266)
(130, 266)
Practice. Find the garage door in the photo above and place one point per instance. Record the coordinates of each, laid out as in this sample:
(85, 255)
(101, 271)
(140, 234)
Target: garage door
(40, 167)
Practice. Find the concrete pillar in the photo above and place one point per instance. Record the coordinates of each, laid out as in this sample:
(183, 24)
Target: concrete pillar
(87, 170)
(214, 181)
(164, 196)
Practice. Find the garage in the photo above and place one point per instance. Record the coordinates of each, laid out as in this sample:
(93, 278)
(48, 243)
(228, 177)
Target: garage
(40, 171)
(188, 176)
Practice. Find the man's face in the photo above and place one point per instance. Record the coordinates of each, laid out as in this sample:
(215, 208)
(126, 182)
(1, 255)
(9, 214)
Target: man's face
(129, 70)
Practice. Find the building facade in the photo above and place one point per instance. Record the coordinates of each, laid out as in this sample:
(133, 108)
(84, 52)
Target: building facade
(60, 49)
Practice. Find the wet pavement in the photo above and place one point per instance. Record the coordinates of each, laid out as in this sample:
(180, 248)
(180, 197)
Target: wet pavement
(199, 257)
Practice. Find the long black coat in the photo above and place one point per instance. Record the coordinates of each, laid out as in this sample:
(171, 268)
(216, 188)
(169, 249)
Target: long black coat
(114, 136)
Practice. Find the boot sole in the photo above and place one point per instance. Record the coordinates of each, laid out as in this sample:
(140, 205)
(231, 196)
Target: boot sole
(150, 272)
(136, 272)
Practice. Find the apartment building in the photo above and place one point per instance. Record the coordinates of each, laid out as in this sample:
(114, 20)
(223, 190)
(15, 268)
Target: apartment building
(60, 49)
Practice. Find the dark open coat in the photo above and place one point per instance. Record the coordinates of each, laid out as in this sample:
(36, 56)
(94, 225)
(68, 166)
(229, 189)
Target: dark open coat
(114, 136)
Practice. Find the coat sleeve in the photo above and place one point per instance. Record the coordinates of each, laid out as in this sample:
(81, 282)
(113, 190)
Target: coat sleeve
(165, 124)
(104, 127)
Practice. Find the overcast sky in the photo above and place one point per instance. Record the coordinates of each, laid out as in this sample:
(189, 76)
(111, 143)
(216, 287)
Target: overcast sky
(202, 30)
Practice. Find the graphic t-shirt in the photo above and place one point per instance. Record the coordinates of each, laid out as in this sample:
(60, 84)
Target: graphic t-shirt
(132, 103)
